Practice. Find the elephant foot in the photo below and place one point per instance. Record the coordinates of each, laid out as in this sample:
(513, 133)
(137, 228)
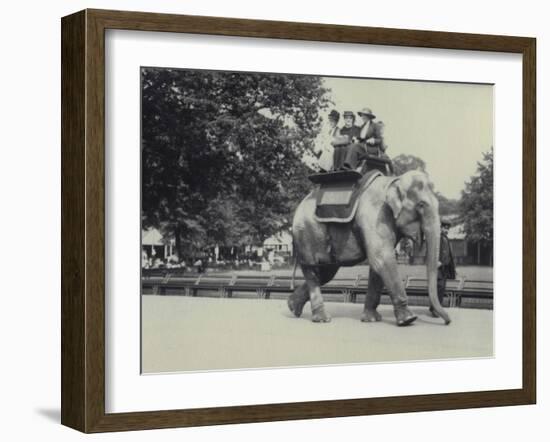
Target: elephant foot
(295, 305)
(404, 316)
(319, 315)
(371, 316)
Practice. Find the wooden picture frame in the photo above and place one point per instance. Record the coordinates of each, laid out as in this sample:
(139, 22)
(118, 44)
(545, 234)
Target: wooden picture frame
(83, 220)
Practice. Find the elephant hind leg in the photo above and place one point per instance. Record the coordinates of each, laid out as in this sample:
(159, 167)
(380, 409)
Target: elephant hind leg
(310, 289)
(298, 299)
(313, 275)
(326, 273)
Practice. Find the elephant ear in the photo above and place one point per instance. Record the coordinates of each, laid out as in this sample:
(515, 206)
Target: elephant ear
(394, 198)
(397, 195)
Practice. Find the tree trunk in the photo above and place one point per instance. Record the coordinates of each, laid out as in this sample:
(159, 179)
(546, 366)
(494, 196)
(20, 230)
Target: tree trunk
(179, 251)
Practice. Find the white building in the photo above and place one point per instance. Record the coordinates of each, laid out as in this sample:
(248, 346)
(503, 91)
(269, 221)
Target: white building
(280, 242)
(155, 245)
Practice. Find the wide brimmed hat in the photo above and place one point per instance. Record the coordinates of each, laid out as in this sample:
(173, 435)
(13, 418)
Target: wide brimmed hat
(366, 111)
(445, 223)
(334, 115)
(349, 114)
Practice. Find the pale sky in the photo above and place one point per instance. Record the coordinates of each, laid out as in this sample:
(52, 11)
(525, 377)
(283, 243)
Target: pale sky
(448, 125)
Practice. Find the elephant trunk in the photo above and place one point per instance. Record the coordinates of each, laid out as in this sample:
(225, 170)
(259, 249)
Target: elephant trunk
(431, 227)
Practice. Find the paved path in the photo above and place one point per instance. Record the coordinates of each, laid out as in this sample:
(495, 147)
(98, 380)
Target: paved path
(185, 333)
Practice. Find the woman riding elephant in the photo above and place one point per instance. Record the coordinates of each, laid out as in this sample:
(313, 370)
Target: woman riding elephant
(368, 142)
(348, 135)
(326, 148)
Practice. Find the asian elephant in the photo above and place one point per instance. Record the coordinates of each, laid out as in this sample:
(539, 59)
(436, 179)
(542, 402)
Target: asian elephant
(389, 209)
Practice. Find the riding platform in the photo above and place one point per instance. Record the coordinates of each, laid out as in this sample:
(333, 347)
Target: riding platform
(371, 162)
(337, 192)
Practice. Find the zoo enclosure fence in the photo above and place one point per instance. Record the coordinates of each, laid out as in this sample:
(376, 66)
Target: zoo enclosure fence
(460, 292)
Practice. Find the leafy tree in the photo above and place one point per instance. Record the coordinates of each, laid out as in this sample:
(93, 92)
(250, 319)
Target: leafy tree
(447, 206)
(221, 152)
(476, 203)
(403, 163)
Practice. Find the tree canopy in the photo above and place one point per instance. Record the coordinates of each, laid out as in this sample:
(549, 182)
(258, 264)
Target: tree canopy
(447, 206)
(476, 203)
(403, 163)
(221, 152)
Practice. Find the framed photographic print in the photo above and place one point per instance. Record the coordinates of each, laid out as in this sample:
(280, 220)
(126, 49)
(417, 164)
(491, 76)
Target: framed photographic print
(269, 221)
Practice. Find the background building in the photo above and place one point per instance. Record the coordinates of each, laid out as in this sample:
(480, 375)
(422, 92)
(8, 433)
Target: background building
(465, 252)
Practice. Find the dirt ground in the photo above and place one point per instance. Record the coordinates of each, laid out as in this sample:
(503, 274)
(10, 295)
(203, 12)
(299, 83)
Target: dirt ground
(195, 334)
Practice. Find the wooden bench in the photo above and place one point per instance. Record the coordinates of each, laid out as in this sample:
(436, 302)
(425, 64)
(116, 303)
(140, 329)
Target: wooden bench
(169, 283)
(206, 282)
(249, 284)
(161, 272)
(454, 289)
(347, 288)
(342, 288)
(476, 294)
(459, 292)
(150, 285)
(360, 287)
(153, 273)
(385, 297)
(280, 286)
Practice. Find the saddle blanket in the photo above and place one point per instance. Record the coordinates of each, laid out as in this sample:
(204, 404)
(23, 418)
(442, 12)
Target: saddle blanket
(337, 202)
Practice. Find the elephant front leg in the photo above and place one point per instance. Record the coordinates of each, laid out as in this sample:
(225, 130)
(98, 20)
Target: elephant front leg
(372, 299)
(385, 265)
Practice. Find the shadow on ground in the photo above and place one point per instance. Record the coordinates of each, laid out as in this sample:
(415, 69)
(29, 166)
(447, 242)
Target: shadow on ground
(51, 414)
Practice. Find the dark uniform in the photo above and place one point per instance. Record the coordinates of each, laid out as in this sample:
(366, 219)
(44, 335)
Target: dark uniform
(358, 151)
(340, 150)
(447, 268)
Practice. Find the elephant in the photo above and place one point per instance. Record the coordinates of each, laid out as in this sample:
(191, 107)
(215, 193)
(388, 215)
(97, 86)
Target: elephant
(389, 209)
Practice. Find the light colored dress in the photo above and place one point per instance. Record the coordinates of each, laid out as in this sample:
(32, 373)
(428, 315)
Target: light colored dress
(326, 159)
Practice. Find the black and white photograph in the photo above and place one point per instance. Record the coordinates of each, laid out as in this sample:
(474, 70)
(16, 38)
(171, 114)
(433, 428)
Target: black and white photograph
(297, 220)
(271, 221)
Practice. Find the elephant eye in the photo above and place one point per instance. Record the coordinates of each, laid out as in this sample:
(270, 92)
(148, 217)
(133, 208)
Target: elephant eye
(421, 205)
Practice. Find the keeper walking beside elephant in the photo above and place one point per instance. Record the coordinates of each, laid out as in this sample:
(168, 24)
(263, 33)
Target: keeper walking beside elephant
(446, 269)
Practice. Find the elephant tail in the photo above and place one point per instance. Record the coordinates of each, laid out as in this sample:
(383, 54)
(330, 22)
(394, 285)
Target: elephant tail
(293, 274)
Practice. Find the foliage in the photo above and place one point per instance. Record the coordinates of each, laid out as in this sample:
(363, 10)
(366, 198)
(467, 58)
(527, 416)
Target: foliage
(403, 163)
(447, 206)
(476, 203)
(221, 152)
